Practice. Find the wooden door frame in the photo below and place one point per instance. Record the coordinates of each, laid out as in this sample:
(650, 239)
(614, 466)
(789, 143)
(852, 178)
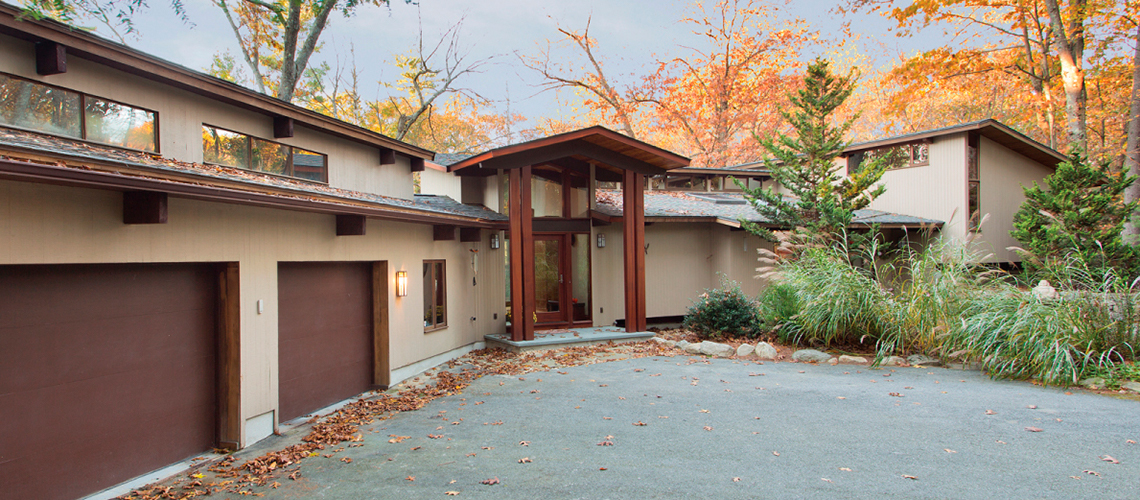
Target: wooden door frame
(563, 292)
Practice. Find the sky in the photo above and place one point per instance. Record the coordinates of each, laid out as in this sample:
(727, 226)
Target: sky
(632, 35)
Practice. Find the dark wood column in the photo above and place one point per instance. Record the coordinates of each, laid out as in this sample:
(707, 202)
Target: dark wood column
(522, 260)
(633, 246)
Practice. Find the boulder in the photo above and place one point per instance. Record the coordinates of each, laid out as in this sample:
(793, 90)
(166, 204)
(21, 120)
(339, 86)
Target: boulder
(893, 361)
(922, 360)
(1132, 386)
(833, 361)
(852, 359)
(811, 356)
(681, 344)
(1045, 292)
(765, 350)
(716, 349)
(692, 348)
(1093, 383)
(745, 350)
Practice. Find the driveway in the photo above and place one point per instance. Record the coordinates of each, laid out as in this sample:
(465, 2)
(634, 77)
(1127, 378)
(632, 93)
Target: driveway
(670, 427)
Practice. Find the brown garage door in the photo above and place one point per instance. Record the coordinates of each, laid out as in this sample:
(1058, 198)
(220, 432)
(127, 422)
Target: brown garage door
(106, 372)
(324, 333)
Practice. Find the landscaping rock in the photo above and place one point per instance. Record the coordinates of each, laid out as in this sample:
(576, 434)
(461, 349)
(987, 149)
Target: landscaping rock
(765, 350)
(833, 361)
(852, 359)
(810, 356)
(1093, 383)
(670, 343)
(681, 344)
(744, 350)
(1045, 292)
(922, 360)
(692, 348)
(893, 361)
(716, 349)
(1132, 386)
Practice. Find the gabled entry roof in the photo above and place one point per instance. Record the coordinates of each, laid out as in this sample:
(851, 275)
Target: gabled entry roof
(606, 149)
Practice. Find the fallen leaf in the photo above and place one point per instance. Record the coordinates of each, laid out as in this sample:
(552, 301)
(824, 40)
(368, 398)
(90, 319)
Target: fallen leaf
(845, 469)
(451, 493)
(826, 479)
(912, 478)
(840, 397)
(776, 453)
(1091, 473)
(601, 468)
(1032, 407)
(410, 478)
(346, 460)
(736, 479)
(895, 394)
(704, 411)
(991, 412)
(707, 428)
(416, 448)
(607, 418)
(397, 439)
(1034, 429)
(494, 480)
(524, 443)
(640, 423)
(488, 447)
(1131, 441)
(435, 436)
(1109, 459)
(606, 443)
(524, 460)
(948, 450)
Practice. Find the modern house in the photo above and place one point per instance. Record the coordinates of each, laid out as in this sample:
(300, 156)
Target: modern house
(187, 264)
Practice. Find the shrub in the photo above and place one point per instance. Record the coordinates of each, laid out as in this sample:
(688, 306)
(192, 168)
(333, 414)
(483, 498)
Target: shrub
(778, 305)
(723, 311)
(838, 302)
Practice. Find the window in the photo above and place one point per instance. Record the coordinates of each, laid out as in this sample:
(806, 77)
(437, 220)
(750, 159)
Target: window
(907, 155)
(973, 185)
(435, 295)
(232, 149)
(43, 108)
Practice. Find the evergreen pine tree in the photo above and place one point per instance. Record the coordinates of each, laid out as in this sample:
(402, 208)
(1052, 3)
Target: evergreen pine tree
(1081, 212)
(822, 201)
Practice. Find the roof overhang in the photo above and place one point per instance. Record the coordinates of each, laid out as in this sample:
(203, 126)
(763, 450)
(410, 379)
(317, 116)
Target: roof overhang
(599, 146)
(141, 64)
(989, 128)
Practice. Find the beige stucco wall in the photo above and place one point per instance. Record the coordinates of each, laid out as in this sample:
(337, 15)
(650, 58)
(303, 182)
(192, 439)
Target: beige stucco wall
(1003, 172)
(440, 183)
(734, 256)
(44, 224)
(935, 191)
(181, 114)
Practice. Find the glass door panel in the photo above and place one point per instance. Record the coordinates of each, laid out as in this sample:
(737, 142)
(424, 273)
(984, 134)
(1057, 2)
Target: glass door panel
(580, 276)
(549, 300)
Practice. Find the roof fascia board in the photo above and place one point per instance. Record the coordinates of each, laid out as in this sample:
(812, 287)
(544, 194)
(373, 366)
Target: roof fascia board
(556, 151)
(134, 62)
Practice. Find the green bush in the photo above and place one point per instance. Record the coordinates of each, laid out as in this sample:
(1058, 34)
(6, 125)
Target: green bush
(778, 304)
(723, 311)
(839, 303)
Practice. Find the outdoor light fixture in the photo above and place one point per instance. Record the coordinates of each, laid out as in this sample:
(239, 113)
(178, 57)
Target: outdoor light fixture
(495, 241)
(601, 240)
(401, 283)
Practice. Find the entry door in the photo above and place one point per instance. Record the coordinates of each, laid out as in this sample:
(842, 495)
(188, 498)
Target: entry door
(550, 276)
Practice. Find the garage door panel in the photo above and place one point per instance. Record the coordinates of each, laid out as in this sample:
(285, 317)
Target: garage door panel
(325, 334)
(111, 373)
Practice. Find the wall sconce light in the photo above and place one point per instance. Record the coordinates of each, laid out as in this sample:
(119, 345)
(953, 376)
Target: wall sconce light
(401, 283)
(601, 240)
(495, 240)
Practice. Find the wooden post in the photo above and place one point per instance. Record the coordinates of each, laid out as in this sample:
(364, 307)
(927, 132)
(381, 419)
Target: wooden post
(527, 244)
(515, 230)
(381, 370)
(633, 249)
(144, 207)
(229, 357)
(51, 58)
(282, 127)
(350, 225)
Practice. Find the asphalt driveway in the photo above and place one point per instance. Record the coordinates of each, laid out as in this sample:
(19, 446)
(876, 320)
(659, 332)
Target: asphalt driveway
(677, 427)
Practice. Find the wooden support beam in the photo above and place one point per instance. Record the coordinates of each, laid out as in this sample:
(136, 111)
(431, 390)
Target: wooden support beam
(229, 357)
(381, 369)
(443, 233)
(527, 243)
(350, 224)
(470, 235)
(633, 250)
(144, 207)
(51, 58)
(282, 127)
(417, 164)
(387, 156)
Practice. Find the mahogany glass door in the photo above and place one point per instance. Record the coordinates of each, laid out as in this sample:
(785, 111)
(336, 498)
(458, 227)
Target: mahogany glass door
(549, 279)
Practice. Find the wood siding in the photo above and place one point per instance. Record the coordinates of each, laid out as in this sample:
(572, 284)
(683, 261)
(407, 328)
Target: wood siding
(1003, 172)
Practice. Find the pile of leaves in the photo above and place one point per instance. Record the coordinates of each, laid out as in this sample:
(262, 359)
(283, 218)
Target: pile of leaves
(230, 475)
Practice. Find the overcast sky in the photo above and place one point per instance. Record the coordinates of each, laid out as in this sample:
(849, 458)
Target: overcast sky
(632, 35)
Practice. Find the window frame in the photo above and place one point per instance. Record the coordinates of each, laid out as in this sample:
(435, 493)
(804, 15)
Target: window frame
(83, 118)
(909, 150)
(973, 184)
(442, 280)
(249, 140)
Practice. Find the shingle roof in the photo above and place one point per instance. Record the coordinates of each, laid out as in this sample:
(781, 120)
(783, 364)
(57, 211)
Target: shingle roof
(83, 155)
(728, 207)
(449, 159)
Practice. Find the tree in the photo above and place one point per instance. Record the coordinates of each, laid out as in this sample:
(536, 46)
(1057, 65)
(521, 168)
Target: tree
(1071, 50)
(602, 95)
(822, 201)
(714, 100)
(116, 15)
(282, 35)
(1079, 211)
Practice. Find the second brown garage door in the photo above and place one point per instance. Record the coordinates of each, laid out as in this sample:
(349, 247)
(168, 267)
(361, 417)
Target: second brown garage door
(324, 334)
